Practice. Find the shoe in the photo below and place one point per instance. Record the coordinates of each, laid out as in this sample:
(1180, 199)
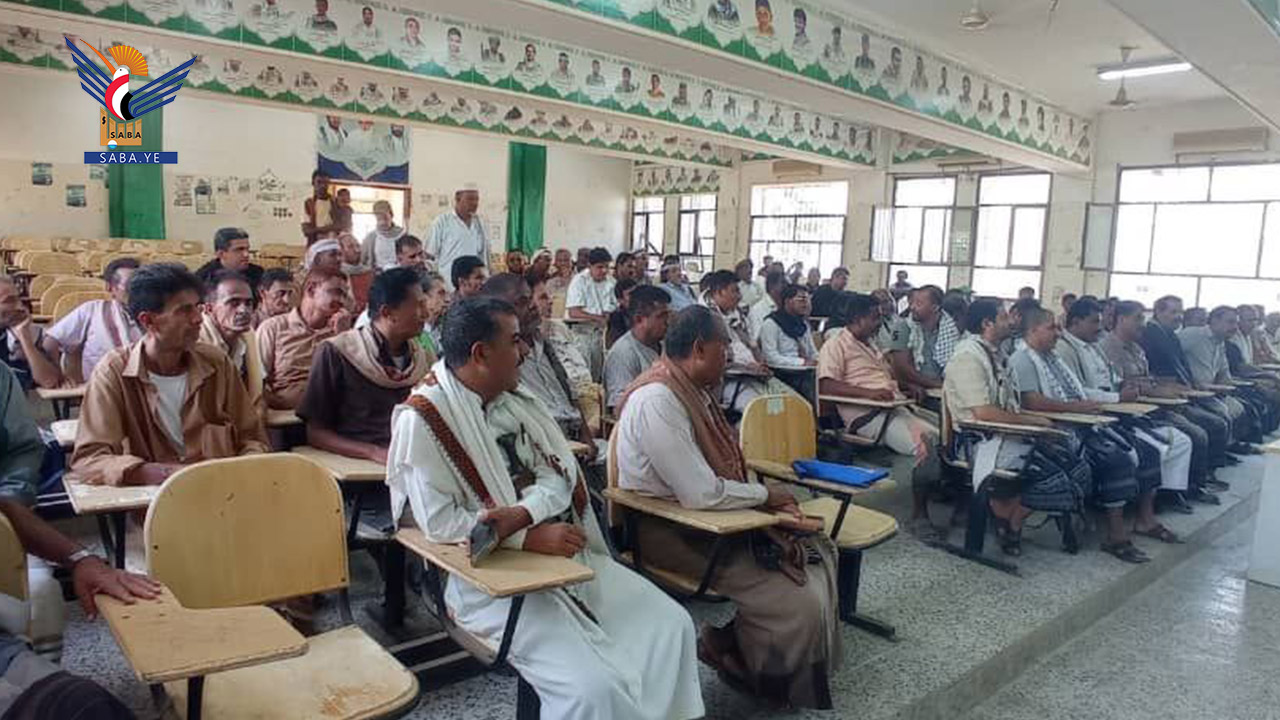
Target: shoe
(1126, 551)
(1230, 461)
(1216, 484)
(1174, 502)
(1200, 496)
(1243, 448)
(924, 530)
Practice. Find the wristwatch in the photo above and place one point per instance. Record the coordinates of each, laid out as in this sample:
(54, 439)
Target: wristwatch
(77, 556)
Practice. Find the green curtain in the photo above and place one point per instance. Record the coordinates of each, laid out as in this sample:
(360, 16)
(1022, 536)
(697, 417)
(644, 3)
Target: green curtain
(526, 196)
(135, 193)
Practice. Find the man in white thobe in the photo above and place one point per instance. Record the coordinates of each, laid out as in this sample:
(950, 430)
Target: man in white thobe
(458, 233)
(612, 647)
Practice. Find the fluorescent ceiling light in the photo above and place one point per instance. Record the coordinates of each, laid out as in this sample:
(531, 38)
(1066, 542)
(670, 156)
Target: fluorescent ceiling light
(1143, 68)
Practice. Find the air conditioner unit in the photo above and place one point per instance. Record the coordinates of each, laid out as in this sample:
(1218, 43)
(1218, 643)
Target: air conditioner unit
(796, 168)
(1232, 140)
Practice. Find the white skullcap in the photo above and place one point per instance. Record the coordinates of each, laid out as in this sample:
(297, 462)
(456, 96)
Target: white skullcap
(320, 246)
(469, 187)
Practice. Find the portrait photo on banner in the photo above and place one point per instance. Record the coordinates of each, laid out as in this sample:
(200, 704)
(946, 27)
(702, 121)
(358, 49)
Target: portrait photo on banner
(362, 150)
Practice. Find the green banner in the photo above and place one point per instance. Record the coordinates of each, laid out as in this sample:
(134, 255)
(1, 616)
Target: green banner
(526, 196)
(135, 193)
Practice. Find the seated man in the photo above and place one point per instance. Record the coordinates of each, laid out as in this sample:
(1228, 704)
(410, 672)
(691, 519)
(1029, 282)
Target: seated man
(746, 375)
(751, 290)
(277, 294)
(541, 373)
(409, 253)
(1195, 317)
(589, 302)
(468, 276)
(1207, 431)
(625, 267)
(30, 685)
(613, 647)
(231, 252)
(516, 262)
(889, 321)
(21, 341)
(21, 449)
(324, 254)
(227, 324)
(1170, 448)
(850, 365)
(619, 321)
(673, 442)
(640, 347)
(923, 345)
(288, 342)
(94, 328)
(824, 298)
(1205, 350)
(1046, 384)
(979, 387)
(673, 282)
(435, 302)
(357, 377)
(786, 342)
(358, 274)
(769, 302)
(1244, 354)
(167, 400)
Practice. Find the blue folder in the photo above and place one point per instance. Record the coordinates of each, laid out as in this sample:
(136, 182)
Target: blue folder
(841, 474)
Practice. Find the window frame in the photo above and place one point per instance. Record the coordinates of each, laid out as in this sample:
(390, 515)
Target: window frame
(891, 267)
(705, 260)
(650, 252)
(752, 217)
(1013, 222)
(1213, 167)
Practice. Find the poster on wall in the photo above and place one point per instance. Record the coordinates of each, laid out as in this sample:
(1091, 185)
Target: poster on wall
(362, 150)
(75, 196)
(41, 173)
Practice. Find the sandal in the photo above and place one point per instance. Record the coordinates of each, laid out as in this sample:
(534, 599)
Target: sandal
(1010, 540)
(1161, 533)
(1126, 551)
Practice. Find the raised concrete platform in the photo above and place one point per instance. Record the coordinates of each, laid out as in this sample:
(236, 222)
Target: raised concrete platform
(964, 630)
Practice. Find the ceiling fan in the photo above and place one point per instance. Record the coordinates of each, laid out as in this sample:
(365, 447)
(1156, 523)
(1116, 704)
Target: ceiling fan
(1121, 100)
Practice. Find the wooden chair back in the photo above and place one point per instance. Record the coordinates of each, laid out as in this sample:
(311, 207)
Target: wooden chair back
(558, 305)
(75, 299)
(41, 263)
(13, 562)
(50, 297)
(247, 531)
(40, 283)
(613, 515)
(780, 429)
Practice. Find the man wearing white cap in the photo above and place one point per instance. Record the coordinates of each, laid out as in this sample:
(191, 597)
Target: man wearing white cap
(325, 254)
(379, 247)
(460, 232)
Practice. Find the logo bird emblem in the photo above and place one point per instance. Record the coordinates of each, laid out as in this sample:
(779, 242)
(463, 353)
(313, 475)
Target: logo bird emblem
(112, 91)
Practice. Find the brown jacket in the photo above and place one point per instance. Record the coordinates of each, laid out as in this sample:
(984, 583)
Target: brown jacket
(119, 430)
(288, 346)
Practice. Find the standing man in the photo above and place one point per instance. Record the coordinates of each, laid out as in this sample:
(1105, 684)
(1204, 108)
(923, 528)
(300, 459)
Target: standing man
(166, 401)
(589, 302)
(228, 325)
(561, 272)
(231, 251)
(379, 247)
(317, 211)
(459, 232)
(97, 327)
(288, 342)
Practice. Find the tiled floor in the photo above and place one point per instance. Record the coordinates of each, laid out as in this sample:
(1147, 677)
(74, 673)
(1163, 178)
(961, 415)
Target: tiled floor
(1201, 642)
(952, 617)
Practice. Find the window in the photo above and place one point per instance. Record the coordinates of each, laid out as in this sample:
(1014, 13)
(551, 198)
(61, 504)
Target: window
(698, 231)
(799, 224)
(917, 237)
(363, 197)
(647, 229)
(1209, 234)
(1013, 215)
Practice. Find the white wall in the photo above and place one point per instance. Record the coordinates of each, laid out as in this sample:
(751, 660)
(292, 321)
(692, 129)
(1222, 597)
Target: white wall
(225, 142)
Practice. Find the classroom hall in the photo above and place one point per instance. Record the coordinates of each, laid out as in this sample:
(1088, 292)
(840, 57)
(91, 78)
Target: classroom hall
(614, 359)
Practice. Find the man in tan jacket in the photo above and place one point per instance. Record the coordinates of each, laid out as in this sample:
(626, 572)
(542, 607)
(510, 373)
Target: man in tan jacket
(165, 401)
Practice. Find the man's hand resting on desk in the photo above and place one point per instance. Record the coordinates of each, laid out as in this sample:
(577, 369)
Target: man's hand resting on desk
(507, 520)
(92, 576)
(560, 539)
(781, 500)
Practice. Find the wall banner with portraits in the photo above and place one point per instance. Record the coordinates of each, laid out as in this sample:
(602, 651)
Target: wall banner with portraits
(329, 87)
(648, 179)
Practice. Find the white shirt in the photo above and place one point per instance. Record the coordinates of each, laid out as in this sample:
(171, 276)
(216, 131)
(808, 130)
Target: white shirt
(658, 456)
(782, 351)
(759, 311)
(591, 296)
(171, 392)
(752, 292)
(379, 248)
(450, 239)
